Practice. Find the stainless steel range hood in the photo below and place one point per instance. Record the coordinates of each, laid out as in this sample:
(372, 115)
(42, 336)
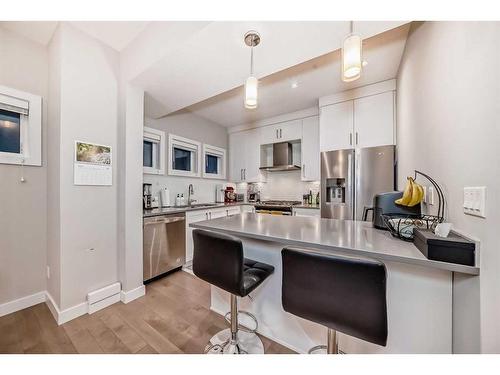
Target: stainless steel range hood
(282, 158)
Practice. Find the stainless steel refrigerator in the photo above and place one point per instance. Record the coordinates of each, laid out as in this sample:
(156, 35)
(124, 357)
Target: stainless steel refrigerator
(350, 179)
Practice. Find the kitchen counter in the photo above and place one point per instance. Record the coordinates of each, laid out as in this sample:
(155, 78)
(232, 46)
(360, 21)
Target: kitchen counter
(357, 238)
(419, 291)
(176, 210)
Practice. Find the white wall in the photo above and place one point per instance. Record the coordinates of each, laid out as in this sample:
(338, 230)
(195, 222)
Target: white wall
(87, 215)
(23, 206)
(130, 133)
(199, 129)
(53, 170)
(448, 100)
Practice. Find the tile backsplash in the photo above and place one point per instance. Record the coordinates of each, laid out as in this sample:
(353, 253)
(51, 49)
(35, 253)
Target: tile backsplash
(204, 189)
(283, 185)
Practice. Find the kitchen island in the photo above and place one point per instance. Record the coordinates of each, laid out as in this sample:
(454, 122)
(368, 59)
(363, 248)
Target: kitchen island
(419, 291)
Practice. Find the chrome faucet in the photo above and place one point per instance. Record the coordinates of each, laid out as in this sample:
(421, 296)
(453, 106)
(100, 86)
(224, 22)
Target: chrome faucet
(190, 193)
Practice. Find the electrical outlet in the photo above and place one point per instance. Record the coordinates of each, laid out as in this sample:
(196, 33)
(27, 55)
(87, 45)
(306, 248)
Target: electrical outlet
(475, 201)
(48, 272)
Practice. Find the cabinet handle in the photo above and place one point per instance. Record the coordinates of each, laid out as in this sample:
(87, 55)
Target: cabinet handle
(241, 174)
(245, 174)
(277, 134)
(357, 137)
(280, 134)
(350, 139)
(303, 170)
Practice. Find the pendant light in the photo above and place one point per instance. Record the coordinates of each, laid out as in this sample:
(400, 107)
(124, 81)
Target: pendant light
(351, 56)
(252, 39)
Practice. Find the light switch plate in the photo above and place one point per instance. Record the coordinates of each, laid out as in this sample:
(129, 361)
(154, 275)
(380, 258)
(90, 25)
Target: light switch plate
(475, 201)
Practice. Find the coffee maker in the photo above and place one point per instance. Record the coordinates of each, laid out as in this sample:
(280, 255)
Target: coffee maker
(146, 196)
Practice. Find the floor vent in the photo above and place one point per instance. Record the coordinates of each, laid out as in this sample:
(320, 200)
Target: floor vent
(104, 297)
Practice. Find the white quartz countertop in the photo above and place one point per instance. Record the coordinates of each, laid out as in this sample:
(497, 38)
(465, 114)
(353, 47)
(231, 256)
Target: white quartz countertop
(355, 238)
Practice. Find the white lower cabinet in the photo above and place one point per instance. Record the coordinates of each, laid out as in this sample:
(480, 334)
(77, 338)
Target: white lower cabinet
(311, 212)
(233, 210)
(196, 216)
(192, 217)
(248, 208)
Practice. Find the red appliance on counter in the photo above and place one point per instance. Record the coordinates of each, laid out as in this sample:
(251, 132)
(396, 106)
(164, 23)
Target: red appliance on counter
(229, 195)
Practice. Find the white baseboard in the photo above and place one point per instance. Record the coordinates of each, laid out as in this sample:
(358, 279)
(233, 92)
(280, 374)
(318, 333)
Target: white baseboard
(133, 294)
(108, 301)
(63, 316)
(22, 303)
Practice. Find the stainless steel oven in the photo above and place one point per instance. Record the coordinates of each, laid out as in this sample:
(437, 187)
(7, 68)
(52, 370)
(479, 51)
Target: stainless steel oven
(164, 244)
(275, 207)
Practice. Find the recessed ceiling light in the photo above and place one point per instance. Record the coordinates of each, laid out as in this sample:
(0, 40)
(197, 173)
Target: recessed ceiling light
(295, 85)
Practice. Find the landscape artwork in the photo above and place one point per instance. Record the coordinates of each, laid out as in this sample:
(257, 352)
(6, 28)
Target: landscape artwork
(92, 153)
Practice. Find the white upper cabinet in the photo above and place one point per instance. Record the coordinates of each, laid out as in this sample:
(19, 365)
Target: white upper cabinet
(236, 156)
(310, 149)
(367, 121)
(336, 126)
(244, 156)
(374, 120)
(281, 132)
(252, 172)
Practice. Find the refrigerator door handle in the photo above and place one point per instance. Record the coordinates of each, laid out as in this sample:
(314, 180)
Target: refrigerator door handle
(351, 183)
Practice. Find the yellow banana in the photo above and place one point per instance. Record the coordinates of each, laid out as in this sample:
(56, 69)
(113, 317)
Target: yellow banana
(407, 194)
(417, 196)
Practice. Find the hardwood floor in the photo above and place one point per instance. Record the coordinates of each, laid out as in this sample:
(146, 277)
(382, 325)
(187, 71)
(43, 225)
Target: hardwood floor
(173, 317)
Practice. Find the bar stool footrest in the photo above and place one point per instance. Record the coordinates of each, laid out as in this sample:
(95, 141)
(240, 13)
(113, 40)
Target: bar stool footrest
(227, 317)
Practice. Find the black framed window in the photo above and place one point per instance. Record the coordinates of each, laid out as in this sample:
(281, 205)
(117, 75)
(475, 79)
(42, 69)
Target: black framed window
(211, 164)
(182, 159)
(10, 132)
(147, 154)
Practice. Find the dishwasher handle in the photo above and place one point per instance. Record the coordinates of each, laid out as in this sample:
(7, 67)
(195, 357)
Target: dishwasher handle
(167, 220)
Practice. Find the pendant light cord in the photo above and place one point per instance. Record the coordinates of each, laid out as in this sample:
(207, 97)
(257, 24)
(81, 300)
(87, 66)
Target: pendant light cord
(251, 57)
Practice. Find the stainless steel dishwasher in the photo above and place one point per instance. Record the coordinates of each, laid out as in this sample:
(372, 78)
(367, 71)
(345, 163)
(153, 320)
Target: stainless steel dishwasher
(164, 244)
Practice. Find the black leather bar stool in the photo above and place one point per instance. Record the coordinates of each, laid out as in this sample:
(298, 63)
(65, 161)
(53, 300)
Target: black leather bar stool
(218, 259)
(344, 294)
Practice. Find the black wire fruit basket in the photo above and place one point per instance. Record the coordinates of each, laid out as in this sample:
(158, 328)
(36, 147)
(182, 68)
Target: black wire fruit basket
(401, 226)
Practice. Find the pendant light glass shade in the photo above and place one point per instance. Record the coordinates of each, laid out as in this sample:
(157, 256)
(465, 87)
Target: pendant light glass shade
(351, 58)
(251, 86)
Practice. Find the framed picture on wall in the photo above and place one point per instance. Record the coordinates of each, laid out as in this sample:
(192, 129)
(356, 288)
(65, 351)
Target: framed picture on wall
(93, 164)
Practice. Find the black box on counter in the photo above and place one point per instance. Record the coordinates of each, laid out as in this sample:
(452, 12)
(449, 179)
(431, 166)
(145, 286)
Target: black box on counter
(452, 249)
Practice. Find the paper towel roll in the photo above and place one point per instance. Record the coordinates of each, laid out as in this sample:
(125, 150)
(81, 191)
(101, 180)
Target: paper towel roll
(164, 197)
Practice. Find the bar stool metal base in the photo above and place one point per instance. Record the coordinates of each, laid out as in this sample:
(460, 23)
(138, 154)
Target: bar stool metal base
(331, 348)
(246, 343)
(235, 340)
(242, 327)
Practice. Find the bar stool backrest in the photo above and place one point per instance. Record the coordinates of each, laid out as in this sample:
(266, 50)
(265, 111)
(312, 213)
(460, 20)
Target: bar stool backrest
(341, 293)
(218, 259)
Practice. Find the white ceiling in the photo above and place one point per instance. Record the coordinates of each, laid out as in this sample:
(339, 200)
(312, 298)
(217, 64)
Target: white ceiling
(38, 31)
(115, 34)
(214, 59)
(315, 78)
